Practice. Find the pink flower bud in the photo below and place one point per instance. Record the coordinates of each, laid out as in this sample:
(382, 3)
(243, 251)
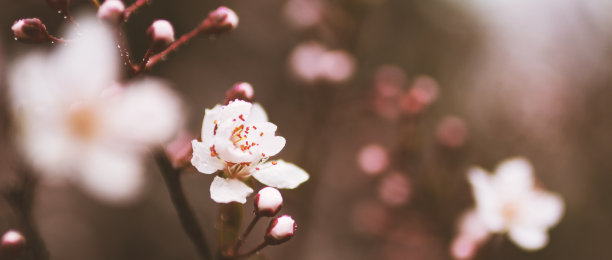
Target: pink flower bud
(220, 21)
(160, 34)
(59, 5)
(452, 132)
(30, 30)
(13, 244)
(280, 230)
(243, 91)
(111, 11)
(268, 202)
(180, 151)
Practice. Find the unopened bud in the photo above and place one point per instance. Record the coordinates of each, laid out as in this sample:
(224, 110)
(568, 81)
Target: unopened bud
(243, 91)
(280, 230)
(30, 30)
(180, 151)
(160, 35)
(111, 11)
(59, 5)
(268, 202)
(221, 20)
(13, 244)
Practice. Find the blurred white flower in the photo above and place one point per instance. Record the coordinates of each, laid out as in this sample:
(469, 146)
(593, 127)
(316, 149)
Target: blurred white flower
(472, 232)
(509, 201)
(76, 123)
(238, 139)
(312, 62)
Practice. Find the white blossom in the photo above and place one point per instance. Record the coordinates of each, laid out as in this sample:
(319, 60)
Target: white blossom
(509, 201)
(77, 123)
(238, 139)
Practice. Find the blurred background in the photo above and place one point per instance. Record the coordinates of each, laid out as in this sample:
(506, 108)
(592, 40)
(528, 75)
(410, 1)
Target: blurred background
(386, 103)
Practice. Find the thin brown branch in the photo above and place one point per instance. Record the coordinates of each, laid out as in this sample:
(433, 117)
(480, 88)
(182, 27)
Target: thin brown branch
(246, 233)
(186, 216)
(173, 47)
(133, 8)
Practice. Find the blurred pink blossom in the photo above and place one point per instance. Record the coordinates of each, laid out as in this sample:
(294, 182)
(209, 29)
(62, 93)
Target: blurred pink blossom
(394, 189)
(451, 132)
(312, 62)
(373, 159)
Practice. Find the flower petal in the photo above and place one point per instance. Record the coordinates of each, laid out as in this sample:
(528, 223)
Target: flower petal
(488, 201)
(234, 110)
(528, 238)
(257, 114)
(208, 124)
(542, 209)
(147, 112)
(514, 176)
(111, 176)
(281, 174)
(203, 160)
(229, 190)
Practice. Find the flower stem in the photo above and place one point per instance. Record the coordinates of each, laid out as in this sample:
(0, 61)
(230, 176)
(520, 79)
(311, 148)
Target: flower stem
(253, 251)
(21, 198)
(125, 54)
(188, 220)
(132, 8)
(246, 233)
(96, 3)
(173, 47)
(143, 64)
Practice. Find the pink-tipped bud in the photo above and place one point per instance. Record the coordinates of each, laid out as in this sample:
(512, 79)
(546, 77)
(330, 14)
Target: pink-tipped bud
(180, 150)
(268, 202)
(13, 244)
(221, 20)
(111, 11)
(59, 5)
(160, 35)
(280, 230)
(30, 30)
(242, 90)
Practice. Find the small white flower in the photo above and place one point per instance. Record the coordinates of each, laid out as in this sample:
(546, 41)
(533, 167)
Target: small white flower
(509, 201)
(238, 139)
(76, 123)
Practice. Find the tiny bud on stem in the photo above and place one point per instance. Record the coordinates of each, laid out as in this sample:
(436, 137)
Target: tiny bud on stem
(160, 35)
(13, 245)
(243, 91)
(30, 30)
(111, 11)
(280, 230)
(220, 21)
(268, 202)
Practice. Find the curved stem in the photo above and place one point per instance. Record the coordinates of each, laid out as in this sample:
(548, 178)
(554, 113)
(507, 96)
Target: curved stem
(96, 3)
(246, 233)
(132, 8)
(253, 251)
(174, 46)
(188, 220)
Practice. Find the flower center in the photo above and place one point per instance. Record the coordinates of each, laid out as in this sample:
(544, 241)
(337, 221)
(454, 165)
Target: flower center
(83, 122)
(510, 210)
(239, 138)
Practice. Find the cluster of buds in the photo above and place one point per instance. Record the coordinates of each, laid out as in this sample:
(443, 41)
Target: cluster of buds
(268, 202)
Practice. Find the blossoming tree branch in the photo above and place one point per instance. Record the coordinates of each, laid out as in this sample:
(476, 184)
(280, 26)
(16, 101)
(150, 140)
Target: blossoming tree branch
(111, 120)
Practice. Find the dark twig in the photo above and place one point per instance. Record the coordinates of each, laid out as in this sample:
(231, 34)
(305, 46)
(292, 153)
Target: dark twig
(185, 214)
(21, 197)
(173, 47)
